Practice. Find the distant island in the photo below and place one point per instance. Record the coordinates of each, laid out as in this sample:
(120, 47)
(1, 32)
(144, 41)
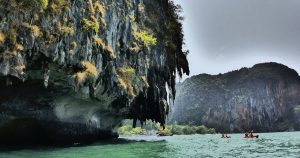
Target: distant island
(263, 98)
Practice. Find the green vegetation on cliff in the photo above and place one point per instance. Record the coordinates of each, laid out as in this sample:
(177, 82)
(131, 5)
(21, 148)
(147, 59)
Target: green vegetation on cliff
(115, 55)
(297, 109)
(147, 39)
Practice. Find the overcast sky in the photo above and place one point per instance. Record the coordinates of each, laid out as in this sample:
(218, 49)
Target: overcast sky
(225, 35)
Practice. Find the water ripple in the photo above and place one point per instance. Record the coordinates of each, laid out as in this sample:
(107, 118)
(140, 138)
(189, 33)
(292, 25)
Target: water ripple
(273, 145)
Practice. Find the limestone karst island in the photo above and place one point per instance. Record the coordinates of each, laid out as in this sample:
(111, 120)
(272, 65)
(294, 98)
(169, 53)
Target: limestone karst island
(149, 78)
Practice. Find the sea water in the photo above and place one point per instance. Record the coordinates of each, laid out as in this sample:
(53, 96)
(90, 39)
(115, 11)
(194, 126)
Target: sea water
(269, 145)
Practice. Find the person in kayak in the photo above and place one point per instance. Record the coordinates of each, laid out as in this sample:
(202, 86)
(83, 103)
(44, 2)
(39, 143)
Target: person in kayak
(250, 135)
(225, 136)
(246, 134)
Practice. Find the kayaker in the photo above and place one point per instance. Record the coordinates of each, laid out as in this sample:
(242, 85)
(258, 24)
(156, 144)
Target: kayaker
(227, 136)
(251, 133)
(224, 135)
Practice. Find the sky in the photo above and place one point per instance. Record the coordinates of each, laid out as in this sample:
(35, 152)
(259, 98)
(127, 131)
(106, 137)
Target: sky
(225, 35)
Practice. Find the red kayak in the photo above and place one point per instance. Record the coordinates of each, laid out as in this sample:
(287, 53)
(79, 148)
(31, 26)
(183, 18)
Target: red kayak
(252, 136)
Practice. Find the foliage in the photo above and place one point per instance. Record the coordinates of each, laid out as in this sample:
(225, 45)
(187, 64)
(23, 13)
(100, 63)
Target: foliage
(35, 30)
(73, 45)
(167, 131)
(99, 8)
(89, 68)
(91, 7)
(132, 17)
(147, 39)
(177, 129)
(127, 72)
(89, 72)
(98, 41)
(19, 47)
(127, 130)
(164, 132)
(44, 4)
(186, 130)
(189, 130)
(81, 77)
(141, 8)
(2, 37)
(128, 4)
(66, 30)
(30, 4)
(111, 52)
(126, 76)
(297, 108)
(91, 24)
(57, 6)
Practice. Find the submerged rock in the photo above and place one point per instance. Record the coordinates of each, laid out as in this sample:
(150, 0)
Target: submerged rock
(71, 70)
(262, 98)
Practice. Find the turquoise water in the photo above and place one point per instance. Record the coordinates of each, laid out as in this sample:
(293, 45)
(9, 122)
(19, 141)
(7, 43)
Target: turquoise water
(270, 145)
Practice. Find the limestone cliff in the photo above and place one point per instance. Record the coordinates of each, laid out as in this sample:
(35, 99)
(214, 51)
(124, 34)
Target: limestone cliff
(73, 69)
(262, 98)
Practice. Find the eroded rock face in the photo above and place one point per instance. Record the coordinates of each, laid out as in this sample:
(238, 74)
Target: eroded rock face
(262, 98)
(75, 68)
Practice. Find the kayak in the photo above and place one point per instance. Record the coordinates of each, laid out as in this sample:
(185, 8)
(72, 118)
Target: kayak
(252, 136)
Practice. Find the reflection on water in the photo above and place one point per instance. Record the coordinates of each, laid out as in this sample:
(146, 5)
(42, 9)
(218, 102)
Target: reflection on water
(269, 145)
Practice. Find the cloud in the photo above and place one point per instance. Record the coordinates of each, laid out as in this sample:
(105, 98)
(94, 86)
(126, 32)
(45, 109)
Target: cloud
(223, 35)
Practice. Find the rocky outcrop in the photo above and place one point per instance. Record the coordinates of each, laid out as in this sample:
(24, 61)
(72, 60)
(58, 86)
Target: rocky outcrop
(73, 69)
(263, 98)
